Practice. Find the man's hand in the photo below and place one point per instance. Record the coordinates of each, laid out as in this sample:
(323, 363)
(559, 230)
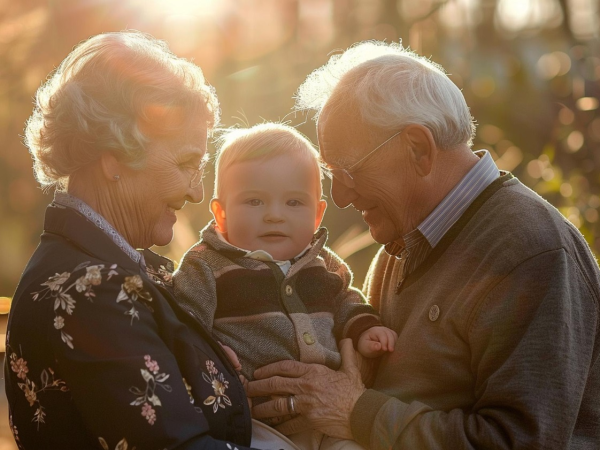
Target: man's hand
(322, 396)
(376, 341)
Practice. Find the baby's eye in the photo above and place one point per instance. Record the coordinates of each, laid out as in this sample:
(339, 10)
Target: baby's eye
(294, 203)
(254, 202)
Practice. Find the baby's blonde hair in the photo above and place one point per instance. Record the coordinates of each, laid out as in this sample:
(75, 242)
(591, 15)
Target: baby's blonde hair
(262, 141)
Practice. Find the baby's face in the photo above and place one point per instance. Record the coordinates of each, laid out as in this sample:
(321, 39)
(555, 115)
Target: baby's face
(270, 205)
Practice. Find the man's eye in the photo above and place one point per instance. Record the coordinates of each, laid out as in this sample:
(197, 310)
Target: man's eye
(254, 202)
(294, 203)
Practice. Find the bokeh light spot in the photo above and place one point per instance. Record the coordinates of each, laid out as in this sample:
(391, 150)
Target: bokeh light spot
(591, 215)
(535, 168)
(575, 141)
(490, 134)
(587, 103)
(566, 116)
(566, 190)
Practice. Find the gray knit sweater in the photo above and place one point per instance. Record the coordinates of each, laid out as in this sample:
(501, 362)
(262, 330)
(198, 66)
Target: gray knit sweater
(498, 335)
(266, 316)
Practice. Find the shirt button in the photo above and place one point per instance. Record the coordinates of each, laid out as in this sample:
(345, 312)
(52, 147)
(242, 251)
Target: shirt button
(434, 313)
(288, 290)
(308, 339)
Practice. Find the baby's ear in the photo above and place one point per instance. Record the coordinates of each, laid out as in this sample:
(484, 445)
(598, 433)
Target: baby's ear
(321, 207)
(218, 211)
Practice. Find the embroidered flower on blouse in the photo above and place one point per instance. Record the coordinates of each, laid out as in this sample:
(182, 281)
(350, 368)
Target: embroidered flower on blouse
(93, 277)
(149, 413)
(30, 389)
(55, 282)
(19, 366)
(131, 292)
(59, 322)
(147, 397)
(164, 275)
(210, 366)
(151, 364)
(56, 289)
(121, 445)
(219, 385)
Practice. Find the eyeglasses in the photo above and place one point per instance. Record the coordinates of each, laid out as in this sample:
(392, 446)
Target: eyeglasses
(343, 175)
(198, 173)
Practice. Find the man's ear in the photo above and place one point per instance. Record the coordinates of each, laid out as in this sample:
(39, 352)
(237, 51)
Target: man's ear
(422, 148)
(218, 211)
(321, 207)
(111, 167)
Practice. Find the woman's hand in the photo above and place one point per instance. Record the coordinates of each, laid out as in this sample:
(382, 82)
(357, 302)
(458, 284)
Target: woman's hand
(322, 396)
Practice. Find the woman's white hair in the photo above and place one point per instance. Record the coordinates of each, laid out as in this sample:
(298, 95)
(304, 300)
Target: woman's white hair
(392, 87)
(114, 92)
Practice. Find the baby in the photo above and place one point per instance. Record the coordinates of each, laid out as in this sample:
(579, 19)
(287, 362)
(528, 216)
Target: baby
(261, 279)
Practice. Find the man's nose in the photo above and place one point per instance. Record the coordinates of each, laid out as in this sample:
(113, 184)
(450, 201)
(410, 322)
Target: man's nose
(195, 194)
(342, 195)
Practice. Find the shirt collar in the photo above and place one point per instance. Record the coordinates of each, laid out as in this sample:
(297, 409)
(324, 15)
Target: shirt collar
(435, 226)
(65, 199)
(441, 219)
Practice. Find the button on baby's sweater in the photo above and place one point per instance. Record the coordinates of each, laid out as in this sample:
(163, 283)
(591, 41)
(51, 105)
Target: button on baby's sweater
(308, 339)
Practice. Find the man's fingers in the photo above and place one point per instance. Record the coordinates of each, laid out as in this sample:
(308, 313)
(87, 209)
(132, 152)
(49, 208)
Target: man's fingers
(349, 362)
(276, 407)
(287, 368)
(273, 386)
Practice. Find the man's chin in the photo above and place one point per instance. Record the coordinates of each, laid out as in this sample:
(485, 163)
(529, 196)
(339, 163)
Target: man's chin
(381, 236)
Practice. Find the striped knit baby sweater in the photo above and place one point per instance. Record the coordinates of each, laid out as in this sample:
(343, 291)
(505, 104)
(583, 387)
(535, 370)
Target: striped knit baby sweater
(266, 316)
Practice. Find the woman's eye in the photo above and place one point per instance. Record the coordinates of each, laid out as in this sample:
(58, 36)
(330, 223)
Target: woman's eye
(254, 202)
(294, 203)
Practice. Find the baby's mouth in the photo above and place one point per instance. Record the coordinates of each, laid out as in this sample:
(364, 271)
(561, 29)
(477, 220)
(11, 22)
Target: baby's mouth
(273, 234)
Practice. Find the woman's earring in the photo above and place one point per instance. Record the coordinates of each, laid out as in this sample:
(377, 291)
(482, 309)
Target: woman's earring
(116, 177)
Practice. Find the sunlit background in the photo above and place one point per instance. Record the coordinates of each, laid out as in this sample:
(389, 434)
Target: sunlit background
(529, 69)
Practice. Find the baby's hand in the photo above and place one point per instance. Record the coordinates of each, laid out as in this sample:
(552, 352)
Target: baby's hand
(376, 341)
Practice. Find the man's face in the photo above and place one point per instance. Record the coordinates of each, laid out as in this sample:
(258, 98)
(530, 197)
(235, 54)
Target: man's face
(386, 189)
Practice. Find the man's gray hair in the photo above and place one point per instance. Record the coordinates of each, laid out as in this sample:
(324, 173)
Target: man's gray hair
(391, 87)
(114, 92)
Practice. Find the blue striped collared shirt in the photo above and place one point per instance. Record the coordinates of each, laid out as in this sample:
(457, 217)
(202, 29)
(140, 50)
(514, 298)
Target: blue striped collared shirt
(419, 242)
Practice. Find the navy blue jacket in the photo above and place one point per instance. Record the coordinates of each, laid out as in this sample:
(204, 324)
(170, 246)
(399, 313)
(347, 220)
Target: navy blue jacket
(100, 356)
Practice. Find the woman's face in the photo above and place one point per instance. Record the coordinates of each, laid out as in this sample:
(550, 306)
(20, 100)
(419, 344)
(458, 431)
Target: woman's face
(151, 196)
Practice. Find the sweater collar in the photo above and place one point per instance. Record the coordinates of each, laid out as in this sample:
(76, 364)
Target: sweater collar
(210, 236)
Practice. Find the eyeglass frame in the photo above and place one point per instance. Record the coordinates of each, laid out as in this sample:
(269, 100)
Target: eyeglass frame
(344, 176)
(198, 173)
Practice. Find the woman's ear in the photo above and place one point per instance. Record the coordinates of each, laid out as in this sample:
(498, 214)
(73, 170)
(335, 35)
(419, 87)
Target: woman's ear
(218, 211)
(111, 167)
(321, 207)
(422, 148)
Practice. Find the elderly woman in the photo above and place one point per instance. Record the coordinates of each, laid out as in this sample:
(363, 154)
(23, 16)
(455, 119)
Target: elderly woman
(98, 353)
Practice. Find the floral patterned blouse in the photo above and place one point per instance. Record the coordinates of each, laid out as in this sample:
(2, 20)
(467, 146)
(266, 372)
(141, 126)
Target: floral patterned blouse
(99, 355)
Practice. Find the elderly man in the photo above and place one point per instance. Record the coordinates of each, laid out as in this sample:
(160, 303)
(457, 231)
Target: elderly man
(493, 294)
